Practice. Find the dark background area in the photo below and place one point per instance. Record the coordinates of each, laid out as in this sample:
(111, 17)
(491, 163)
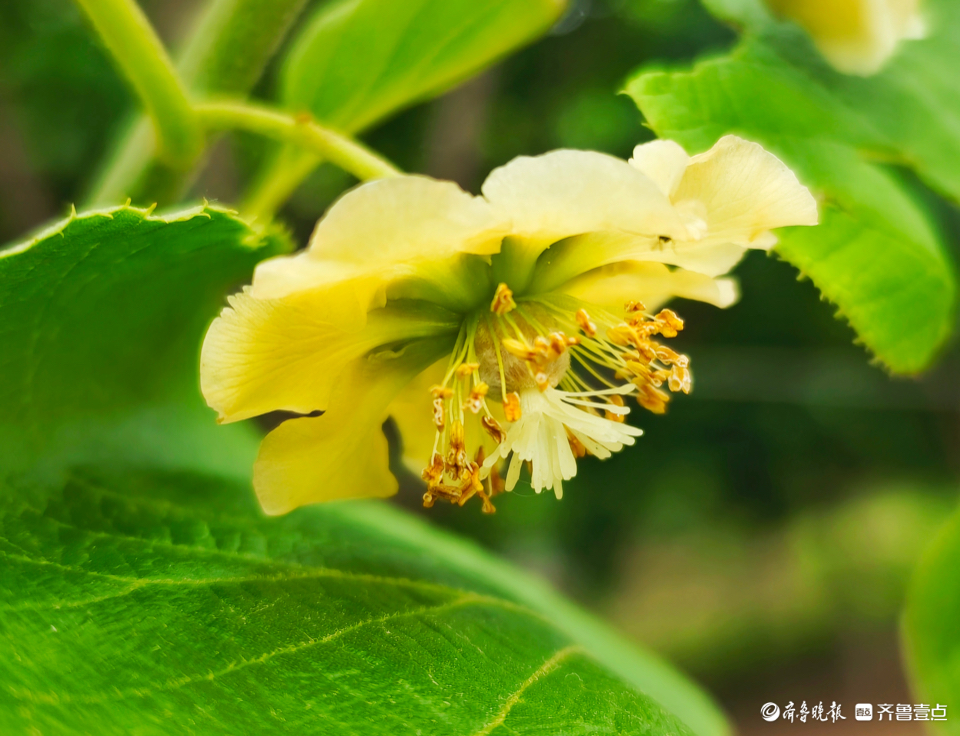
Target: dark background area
(762, 532)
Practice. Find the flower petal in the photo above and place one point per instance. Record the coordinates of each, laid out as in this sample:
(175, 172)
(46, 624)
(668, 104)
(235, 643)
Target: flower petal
(283, 354)
(651, 283)
(573, 257)
(404, 219)
(407, 228)
(745, 192)
(663, 162)
(564, 193)
(856, 36)
(342, 454)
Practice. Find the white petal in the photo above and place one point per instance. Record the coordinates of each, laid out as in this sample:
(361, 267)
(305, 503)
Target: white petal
(564, 193)
(662, 161)
(745, 191)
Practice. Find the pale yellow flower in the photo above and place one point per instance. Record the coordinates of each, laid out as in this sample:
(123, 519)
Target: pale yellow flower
(493, 329)
(856, 36)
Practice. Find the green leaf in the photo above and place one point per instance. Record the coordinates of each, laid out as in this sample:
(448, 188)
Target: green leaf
(876, 253)
(158, 603)
(102, 319)
(930, 631)
(358, 61)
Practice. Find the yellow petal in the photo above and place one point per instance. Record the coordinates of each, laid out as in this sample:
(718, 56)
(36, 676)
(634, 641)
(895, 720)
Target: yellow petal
(342, 454)
(745, 191)
(856, 36)
(663, 162)
(348, 291)
(651, 283)
(404, 219)
(264, 355)
(566, 193)
(383, 232)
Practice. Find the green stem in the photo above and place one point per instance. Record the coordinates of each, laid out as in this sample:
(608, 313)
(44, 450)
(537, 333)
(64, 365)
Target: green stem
(225, 53)
(142, 58)
(300, 131)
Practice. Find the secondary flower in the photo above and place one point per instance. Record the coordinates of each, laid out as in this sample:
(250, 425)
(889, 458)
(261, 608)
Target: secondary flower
(499, 331)
(856, 36)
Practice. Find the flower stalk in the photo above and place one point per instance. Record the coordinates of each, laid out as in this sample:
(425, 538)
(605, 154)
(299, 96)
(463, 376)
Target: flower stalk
(301, 131)
(141, 56)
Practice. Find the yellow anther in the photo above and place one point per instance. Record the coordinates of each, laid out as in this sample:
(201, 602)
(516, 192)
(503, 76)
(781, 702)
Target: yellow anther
(652, 399)
(457, 456)
(438, 414)
(622, 334)
(542, 380)
(434, 471)
(669, 323)
(586, 324)
(511, 407)
(680, 379)
(493, 428)
(475, 402)
(559, 344)
(465, 369)
(667, 356)
(441, 392)
(502, 300)
(519, 349)
(634, 306)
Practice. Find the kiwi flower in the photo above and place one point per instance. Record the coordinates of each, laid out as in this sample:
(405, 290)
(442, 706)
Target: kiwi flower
(499, 331)
(856, 36)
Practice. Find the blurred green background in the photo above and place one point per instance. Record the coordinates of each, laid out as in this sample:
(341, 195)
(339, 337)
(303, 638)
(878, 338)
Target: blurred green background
(762, 532)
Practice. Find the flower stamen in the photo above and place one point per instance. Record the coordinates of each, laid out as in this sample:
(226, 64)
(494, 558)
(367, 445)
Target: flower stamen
(502, 301)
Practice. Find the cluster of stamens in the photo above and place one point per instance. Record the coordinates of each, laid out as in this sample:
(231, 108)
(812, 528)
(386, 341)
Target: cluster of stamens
(544, 337)
(646, 363)
(452, 475)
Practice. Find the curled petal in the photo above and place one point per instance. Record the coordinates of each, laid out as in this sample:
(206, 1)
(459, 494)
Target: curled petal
(343, 453)
(745, 191)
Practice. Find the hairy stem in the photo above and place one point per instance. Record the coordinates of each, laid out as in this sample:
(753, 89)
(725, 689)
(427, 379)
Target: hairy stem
(301, 131)
(142, 58)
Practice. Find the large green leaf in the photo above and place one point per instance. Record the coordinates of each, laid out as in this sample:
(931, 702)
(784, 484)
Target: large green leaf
(101, 317)
(358, 61)
(876, 253)
(146, 603)
(931, 630)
